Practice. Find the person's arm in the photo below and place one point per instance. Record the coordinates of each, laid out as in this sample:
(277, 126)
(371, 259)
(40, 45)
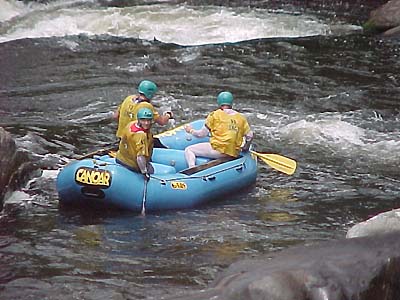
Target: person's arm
(116, 113)
(248, 139)
(163, 120)
(197, 133)
(142, 163)
(143, 150)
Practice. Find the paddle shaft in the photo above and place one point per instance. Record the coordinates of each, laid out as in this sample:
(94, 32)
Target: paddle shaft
(98, 152)
(144, 197)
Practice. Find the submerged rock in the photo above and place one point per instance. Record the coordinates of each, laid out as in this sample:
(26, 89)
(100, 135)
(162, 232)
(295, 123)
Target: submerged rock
(359, 268)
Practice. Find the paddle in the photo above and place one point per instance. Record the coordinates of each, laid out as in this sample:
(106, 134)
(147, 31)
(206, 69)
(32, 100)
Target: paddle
(100, 151)
(114, 147)
(278, 162)
(146, 180)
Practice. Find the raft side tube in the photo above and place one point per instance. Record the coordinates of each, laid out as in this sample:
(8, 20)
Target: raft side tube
(187, 191)
(174, 158)
(178, 138)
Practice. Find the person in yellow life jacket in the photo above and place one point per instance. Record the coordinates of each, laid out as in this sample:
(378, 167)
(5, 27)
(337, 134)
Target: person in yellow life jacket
(227, 128)
(136, 145)
(128, 109)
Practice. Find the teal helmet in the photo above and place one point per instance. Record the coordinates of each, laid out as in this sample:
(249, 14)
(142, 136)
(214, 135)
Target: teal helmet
(225, 98)
(147, 88)
(145, 113)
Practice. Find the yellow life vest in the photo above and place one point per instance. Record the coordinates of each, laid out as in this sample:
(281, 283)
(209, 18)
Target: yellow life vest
(135, 142)
(128, 111)
(227, 131)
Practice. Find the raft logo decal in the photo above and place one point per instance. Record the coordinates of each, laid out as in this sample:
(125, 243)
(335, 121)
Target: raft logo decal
(178, 185)
(90, 176)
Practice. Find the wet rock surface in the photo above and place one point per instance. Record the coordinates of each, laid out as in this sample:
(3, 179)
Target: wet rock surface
(359, 268)
(382, 223)
(8, 152)
(386, 18)
(15, 166)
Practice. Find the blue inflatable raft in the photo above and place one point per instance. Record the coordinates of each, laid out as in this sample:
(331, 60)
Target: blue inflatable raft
(100, 181)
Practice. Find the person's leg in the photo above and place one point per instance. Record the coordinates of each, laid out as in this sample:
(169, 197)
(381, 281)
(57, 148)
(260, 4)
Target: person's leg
(190, 156)
(202, 149)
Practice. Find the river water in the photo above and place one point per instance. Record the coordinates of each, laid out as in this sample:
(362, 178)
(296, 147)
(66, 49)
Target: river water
(313, 87)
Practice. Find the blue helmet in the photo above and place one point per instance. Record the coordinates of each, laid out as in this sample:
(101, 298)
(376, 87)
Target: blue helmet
(144, 113)
(147, 88)
(225, 98)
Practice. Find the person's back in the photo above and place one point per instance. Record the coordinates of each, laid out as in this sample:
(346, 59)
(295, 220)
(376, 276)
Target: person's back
(227, 128)
(128, 111)
(131, 105)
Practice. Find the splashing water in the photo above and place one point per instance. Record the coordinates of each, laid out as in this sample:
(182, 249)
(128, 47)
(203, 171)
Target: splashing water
(178, 24)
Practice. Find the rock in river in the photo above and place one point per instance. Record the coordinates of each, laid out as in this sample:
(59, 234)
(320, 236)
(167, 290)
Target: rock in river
(362, 268)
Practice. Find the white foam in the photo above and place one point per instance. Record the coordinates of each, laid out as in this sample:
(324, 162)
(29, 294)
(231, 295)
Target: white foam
(363, 146)
(52, 174)
(17, 198)
(178, 24)
(328, 131)
(10, 9)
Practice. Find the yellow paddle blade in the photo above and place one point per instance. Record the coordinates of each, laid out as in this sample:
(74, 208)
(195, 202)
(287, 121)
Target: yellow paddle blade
(278, 162)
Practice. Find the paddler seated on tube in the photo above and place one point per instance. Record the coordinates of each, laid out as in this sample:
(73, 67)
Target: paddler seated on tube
(227, 128)
(128, 109)
(136, 145)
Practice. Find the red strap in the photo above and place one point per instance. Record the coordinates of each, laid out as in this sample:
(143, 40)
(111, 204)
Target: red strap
(135, 128)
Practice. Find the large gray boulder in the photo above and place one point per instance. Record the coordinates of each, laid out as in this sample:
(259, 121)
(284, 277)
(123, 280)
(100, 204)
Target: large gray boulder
(366, 268)
(385, 18)
(8, 154)
(14, 165)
